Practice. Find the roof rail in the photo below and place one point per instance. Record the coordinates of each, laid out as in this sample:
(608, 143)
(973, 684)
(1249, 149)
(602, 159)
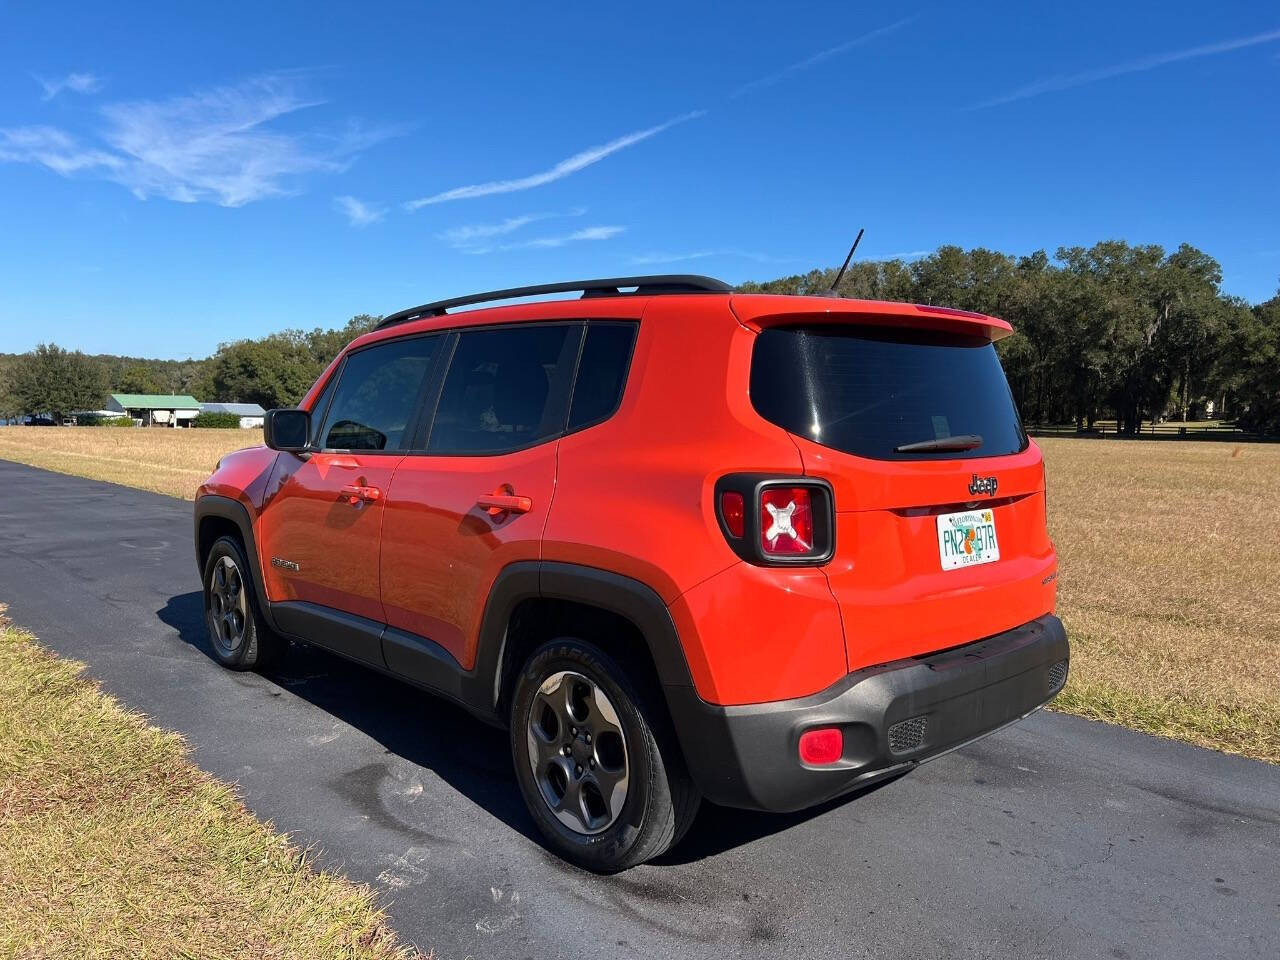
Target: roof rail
(612, 287)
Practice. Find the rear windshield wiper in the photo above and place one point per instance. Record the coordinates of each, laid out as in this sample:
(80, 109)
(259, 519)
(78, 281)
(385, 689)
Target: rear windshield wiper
(966, 441)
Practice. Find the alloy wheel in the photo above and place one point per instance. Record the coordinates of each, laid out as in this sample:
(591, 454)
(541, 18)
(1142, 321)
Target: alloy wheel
(228, 605)
(578, 752)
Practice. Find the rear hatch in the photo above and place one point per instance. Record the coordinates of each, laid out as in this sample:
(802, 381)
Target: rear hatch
(939, 495)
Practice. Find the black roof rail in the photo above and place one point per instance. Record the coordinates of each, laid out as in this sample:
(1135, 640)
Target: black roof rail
(611, 287)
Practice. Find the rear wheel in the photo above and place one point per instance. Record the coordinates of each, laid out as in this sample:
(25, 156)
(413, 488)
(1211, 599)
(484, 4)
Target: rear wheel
(607, 789)
(240, 637)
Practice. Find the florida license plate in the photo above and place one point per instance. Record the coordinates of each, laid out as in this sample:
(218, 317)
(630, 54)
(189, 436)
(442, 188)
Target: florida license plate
(967, 539)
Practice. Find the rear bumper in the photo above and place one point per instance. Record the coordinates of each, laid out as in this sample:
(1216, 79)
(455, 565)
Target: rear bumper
(893, 716)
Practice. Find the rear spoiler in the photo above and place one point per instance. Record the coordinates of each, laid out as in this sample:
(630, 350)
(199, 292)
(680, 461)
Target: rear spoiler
(760, 310)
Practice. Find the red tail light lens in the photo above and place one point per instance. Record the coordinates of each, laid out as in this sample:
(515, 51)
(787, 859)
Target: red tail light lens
(777, 521)
(822, 746)
(733, 509)
(786, 521)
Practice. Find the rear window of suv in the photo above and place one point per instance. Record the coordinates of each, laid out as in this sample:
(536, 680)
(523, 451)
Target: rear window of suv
(867, 391)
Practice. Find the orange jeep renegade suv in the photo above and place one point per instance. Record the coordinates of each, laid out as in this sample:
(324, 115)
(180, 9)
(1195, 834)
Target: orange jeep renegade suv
(681, 542)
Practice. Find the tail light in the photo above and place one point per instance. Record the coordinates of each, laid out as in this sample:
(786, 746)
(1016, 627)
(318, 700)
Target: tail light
(786, 521)
(733, 510)
(777, 521)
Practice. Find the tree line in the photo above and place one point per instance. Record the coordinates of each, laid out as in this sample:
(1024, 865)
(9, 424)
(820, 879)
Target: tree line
(1112, 331)
(273, 371)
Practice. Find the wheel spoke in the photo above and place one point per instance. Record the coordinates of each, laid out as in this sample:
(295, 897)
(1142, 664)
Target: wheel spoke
(612, 785)
(604, 719)
(570, 803)
(565, 697)
(543, 750)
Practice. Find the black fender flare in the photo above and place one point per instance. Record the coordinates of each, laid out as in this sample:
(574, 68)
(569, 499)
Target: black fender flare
(225, 508)
(627, 597)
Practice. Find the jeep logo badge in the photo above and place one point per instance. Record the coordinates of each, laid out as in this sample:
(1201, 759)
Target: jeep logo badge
(985, 485)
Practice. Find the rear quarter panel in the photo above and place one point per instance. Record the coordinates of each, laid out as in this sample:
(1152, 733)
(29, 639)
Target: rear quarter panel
(635, 495)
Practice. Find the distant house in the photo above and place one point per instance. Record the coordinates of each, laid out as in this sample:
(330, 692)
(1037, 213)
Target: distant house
(251, 415)
(156, 409)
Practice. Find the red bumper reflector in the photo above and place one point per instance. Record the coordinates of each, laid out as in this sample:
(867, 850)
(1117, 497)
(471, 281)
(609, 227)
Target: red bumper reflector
(821, 746)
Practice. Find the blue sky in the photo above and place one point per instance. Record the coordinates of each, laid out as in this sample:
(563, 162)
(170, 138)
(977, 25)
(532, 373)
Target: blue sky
(173, 175)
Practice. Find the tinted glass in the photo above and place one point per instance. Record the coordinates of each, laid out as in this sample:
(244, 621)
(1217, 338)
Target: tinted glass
(868, 391)
(602, 372)
(318, 408)
(498, 394)
(377, 394)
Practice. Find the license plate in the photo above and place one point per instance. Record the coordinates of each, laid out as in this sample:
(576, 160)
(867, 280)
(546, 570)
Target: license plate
(967, 539)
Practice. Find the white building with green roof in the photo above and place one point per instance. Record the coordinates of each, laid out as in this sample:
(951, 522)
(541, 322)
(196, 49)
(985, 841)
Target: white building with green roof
(161, 409)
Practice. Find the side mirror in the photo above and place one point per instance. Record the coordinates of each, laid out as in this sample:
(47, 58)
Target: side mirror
(287, 429)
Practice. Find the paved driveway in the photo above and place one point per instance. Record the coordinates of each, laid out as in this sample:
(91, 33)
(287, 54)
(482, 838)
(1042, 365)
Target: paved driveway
(1055, 838)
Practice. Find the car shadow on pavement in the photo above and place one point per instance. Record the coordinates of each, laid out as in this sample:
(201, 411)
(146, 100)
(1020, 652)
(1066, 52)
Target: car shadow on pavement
(719, 829)
(469, 755)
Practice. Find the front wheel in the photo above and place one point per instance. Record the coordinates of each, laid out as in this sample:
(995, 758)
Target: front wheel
(240, 637)
(606, 788)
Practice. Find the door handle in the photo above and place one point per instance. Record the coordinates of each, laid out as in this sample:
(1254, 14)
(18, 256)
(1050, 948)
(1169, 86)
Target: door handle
(500, 503)
(354, 493)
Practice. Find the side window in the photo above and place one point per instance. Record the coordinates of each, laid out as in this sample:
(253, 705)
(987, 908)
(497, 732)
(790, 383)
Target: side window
(377, 394)
(506, 388)
(318, 408)
(602, 373)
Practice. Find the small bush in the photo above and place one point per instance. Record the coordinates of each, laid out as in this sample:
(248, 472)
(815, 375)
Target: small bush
(96, 421)
(218, 421)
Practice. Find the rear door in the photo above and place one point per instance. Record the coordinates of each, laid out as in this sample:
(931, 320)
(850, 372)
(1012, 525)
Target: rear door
(477, 499)
(320, 531)
(939, 494)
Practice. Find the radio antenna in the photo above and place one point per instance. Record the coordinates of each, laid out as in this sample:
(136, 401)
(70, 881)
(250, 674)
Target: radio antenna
(840, 276)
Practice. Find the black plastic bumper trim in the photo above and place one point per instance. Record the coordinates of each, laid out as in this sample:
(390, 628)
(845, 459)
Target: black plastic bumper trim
(748, 756)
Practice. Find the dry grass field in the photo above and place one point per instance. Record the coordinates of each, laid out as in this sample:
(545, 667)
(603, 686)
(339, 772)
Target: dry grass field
(174, 462)
(1169, 552)
(112, 844)
(1169, 558)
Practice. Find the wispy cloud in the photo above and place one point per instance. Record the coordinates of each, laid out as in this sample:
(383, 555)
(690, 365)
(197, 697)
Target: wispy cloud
(561, 170)
(589, 233)
(75, 82)
(646, 259)
(904, 255)
(359, 213)
(1141, 65)
(471, 235)
(214, 145)
(819, 57)
(53, 148)
(558, 240)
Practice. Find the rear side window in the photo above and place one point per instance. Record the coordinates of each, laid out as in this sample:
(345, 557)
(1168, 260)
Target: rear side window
(867, 391)
(602, 373)
(377, 395)
(506, 388)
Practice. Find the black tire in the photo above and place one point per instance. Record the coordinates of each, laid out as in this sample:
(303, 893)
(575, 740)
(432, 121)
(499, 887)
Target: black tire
(240, 638)
(660, 798)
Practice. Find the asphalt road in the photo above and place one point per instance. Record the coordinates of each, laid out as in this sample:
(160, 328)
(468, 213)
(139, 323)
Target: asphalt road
(1055, 838)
